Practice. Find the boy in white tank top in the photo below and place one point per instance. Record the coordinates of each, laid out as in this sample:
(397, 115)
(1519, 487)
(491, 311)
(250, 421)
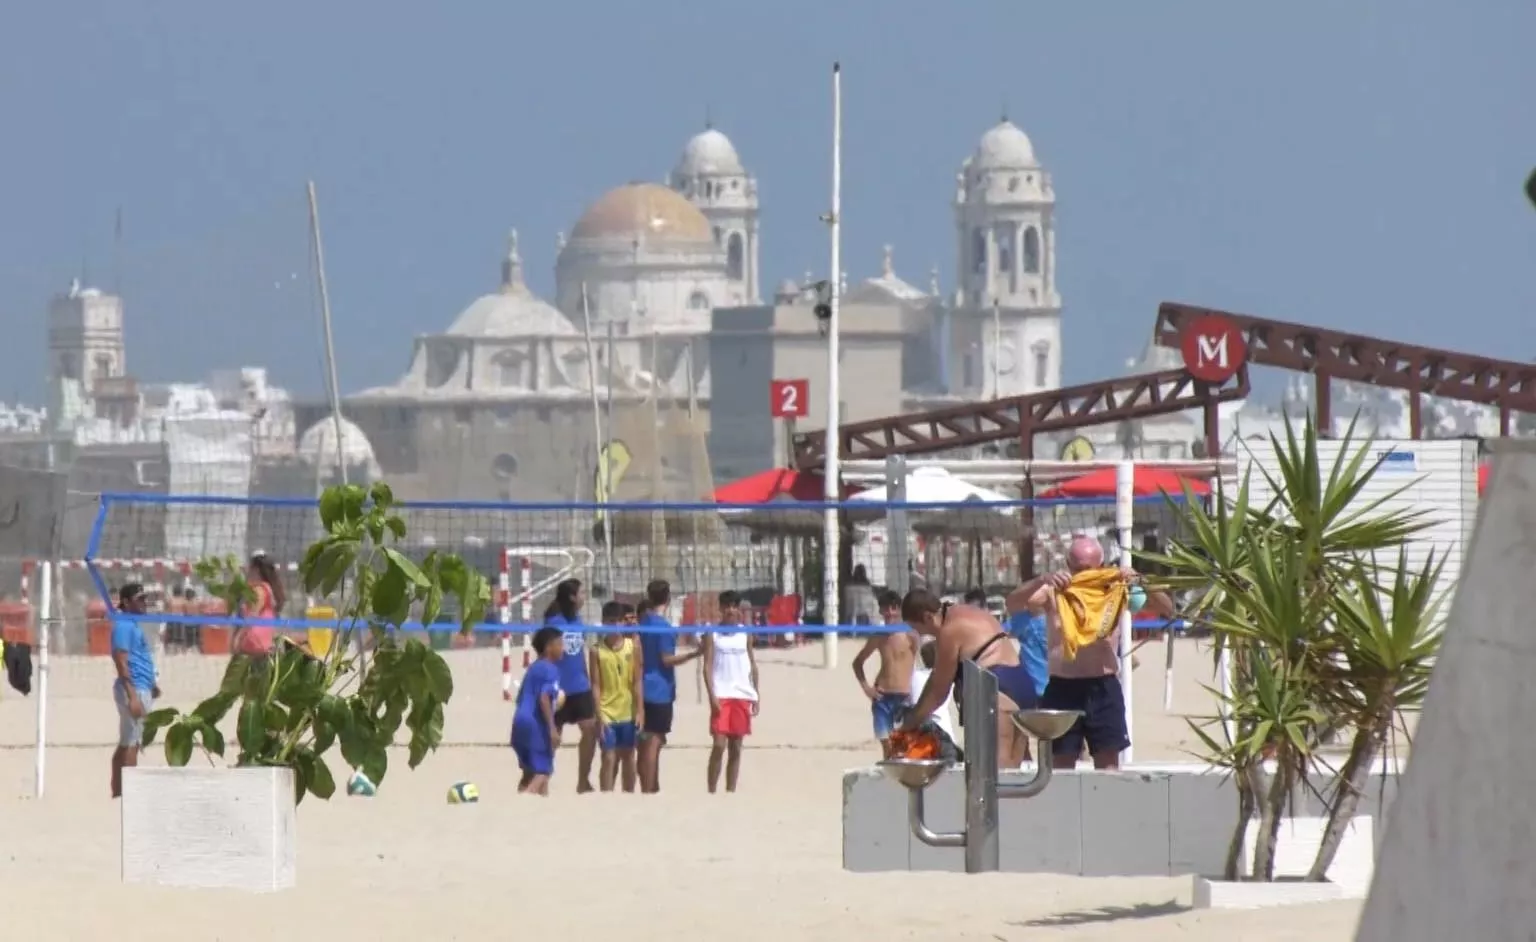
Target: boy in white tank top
(730, 679)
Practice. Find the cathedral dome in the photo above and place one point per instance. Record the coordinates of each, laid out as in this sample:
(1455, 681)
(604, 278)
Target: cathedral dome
(514, 311)
(643, 210)
(318, 444)
(709, 152)
(1004, 147)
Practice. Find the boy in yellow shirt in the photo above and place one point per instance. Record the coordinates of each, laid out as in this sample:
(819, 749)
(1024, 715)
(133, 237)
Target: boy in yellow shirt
(616, 674)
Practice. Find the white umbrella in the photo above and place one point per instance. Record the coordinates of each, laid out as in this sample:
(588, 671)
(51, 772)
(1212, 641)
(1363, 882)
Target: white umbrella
(935, 486)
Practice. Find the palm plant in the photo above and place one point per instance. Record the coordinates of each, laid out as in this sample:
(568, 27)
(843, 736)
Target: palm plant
(1388, 638)
(1293, 597)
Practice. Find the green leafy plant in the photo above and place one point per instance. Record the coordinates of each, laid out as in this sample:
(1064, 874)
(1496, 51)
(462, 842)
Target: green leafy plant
(292, 708)
(1316, 634)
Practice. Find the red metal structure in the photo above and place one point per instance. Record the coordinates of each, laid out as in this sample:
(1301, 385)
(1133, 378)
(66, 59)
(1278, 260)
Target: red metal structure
(1021, 418)
(1332, 354)
(1218, 347)
(1326, 354)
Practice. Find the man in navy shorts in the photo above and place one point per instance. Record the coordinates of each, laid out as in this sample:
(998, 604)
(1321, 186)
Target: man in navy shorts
(659, 660)
(1088, 683)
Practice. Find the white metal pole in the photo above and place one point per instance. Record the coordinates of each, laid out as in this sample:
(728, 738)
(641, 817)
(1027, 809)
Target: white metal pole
(1125, 507)
(831, 551)
(1224, 687)
(333, 385)
(44, 623)
(597, 437)
(1169, 635)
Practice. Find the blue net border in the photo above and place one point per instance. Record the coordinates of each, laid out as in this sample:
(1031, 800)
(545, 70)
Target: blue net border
(301, 624)
(109, 498)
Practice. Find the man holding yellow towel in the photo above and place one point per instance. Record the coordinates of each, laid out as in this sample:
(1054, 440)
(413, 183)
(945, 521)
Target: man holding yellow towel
(1082, 610)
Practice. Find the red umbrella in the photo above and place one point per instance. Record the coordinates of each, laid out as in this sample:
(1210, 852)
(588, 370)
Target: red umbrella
(770, 485)
(1482, 478)
(1148, 482)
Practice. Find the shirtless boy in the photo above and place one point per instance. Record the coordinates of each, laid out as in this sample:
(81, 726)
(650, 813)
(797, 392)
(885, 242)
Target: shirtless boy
(892, 690)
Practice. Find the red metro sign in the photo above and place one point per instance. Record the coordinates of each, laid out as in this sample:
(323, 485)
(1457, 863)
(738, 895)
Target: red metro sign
(1214, 349)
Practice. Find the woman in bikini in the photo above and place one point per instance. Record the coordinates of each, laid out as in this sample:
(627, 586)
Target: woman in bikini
(969, 633)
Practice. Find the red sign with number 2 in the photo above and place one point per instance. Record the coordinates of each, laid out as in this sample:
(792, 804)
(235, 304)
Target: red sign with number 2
(791, 398)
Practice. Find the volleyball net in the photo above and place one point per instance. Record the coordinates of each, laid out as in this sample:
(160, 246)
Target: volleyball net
(770, 556)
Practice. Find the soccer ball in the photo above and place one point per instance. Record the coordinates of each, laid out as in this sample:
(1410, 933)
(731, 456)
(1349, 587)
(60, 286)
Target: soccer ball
(463, 793)
(359, 786)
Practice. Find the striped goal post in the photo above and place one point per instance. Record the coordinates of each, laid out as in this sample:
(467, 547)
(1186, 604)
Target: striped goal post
(567, 563)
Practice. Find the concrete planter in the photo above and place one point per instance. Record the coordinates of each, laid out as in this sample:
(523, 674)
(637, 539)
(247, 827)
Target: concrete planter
(1220, 894)
(210, 828)
(1148, 820)
(1348, 878)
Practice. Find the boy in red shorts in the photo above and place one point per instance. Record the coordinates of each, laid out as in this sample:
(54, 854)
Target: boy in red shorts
(730, 679)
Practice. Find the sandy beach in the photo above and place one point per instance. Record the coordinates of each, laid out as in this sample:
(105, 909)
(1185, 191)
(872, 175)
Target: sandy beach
(764, 863)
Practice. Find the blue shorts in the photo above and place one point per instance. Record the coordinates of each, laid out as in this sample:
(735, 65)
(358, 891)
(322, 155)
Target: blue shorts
(618, 736)
(886, 712)
(535, 755)
(1017, 684)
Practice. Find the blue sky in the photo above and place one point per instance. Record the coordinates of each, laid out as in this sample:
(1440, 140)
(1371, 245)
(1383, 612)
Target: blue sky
(1355, 165)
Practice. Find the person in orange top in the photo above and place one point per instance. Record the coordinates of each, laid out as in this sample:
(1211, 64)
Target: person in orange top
(256, 640)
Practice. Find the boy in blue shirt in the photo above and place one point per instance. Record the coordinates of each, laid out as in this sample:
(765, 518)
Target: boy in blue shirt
(535, 734)
(659, 660)
(135, 688)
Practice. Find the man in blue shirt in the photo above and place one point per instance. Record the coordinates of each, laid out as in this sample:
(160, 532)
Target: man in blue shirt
(135, 687)
(659, 660)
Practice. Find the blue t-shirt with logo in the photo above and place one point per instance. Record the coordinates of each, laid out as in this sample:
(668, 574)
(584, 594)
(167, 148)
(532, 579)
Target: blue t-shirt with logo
(128, 636)
(1029, 630)
(573, 667)
(659, 681)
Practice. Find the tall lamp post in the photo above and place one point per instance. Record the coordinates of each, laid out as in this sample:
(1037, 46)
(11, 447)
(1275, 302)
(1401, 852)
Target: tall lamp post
(831, 549)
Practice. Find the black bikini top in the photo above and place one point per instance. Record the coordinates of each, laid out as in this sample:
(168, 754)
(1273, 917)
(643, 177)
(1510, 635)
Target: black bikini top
(976, 657)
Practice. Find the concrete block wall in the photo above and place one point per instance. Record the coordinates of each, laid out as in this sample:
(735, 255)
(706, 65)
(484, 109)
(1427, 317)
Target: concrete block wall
(1148, 820)
(210, 828)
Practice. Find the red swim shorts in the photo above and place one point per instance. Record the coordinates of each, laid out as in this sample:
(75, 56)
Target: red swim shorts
(733, 719)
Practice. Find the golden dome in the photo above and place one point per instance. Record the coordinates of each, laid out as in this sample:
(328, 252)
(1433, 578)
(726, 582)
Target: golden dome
(647, 209)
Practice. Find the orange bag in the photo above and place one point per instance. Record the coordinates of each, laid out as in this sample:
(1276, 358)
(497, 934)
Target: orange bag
(914, 745)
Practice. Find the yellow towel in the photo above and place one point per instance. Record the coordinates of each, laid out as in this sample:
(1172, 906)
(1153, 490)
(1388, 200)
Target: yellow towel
(1089, 607)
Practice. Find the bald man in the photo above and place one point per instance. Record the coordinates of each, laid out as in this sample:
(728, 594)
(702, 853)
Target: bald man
(1088, 683)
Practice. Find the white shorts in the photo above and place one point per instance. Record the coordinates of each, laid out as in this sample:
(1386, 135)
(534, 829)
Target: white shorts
(130, 728)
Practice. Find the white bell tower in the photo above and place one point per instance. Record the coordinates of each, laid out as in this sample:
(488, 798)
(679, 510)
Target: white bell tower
(711, 175)
(85, 338)
(1005, 210)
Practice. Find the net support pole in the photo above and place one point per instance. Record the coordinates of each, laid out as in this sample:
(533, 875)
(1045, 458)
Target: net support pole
(1169, 636)
(897, 548)
(1224, 687)
(831, 551)
(1125, 509)
(525, 584)
(44, 623)
(504, 615)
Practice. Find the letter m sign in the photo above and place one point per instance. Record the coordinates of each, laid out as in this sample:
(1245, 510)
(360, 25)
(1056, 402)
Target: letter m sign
(1213, 348)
